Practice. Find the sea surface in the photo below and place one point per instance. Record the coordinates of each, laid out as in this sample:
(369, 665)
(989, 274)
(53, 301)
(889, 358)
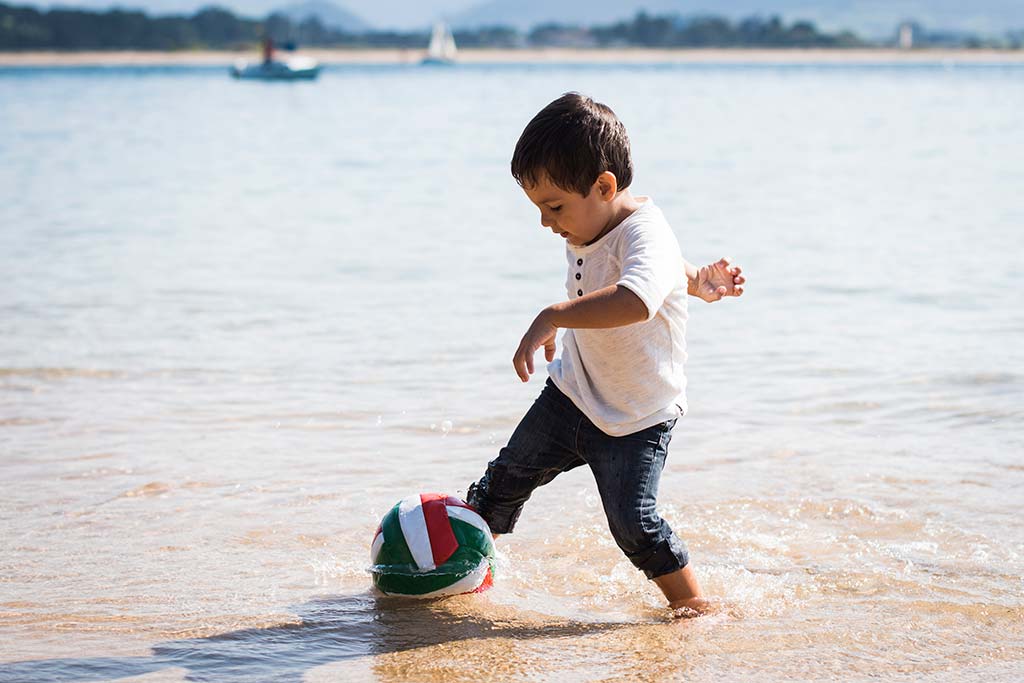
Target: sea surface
(239, 321)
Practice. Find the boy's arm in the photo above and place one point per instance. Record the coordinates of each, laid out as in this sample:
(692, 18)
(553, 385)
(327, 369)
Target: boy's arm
(613, 306)
(715, 281)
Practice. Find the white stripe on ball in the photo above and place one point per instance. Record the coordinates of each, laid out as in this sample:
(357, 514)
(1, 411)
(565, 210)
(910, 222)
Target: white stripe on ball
(466, 584)
(469, 517)
(414, 528)
(378, 543)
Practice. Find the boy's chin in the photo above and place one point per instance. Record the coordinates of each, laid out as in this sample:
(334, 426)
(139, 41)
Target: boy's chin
(578, 240)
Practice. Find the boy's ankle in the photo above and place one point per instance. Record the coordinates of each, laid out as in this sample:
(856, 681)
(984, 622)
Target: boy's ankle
(690, 607)
(680, 587)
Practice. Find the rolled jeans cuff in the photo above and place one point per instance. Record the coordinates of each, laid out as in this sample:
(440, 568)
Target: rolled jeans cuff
(665, 557)
(500, 518)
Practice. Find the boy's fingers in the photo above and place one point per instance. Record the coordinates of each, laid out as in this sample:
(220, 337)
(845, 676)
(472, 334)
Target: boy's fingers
(738, 291)
(725, 261)
(517, 363)
(520, 371)
(549, 351)
(739, 279)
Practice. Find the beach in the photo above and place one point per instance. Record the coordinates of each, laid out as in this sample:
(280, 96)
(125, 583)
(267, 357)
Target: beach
(531, 56)
(240, 320)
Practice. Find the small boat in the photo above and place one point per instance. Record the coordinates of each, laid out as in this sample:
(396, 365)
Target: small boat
(442, 48)
(291, 69)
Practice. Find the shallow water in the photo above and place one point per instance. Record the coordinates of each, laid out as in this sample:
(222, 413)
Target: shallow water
(239, 321)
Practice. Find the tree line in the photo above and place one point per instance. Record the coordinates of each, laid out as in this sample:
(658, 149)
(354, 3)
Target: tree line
(26, 28)
(23, 28)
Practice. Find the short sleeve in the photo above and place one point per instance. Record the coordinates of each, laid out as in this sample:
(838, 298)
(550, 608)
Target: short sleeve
(651, 263)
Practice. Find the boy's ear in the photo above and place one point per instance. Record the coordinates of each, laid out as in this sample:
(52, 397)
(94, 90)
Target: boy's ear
(607, 185)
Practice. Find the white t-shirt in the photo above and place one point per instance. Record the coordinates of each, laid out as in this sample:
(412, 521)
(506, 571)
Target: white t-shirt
(628, 378)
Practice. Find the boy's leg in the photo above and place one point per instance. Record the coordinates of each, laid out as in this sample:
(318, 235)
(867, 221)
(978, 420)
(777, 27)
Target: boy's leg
(542, 447)
(628, 471)
(682, 590)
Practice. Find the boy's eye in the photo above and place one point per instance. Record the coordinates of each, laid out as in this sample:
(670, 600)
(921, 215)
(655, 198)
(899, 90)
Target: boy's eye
(556, 209)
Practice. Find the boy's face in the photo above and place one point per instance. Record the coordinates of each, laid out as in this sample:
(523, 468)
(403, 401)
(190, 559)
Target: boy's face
(578, 219)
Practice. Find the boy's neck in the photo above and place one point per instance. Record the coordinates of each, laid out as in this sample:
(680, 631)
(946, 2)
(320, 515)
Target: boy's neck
(622, 206)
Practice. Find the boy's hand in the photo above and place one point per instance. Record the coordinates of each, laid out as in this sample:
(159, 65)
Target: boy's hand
(718, 280)
(541, 333)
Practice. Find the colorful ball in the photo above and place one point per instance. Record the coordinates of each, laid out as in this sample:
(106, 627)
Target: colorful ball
(432, 545)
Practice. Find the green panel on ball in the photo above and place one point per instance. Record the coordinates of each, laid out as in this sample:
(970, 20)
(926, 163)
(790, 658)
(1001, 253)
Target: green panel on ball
(395, 550)
(418, 583)
(469, 536)
(462, 561)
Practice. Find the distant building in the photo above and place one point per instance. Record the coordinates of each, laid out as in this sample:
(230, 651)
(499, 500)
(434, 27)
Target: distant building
(906, 36)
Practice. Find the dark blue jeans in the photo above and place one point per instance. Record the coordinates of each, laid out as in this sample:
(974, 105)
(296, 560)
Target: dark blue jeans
(555, 436)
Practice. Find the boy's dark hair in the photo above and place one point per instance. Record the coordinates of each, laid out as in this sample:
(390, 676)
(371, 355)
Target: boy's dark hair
(572, 141)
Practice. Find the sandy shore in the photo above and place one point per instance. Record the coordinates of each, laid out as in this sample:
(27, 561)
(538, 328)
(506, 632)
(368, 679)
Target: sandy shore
(526, 56)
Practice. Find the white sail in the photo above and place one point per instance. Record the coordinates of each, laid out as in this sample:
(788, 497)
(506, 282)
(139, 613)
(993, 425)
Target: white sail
(442, 44)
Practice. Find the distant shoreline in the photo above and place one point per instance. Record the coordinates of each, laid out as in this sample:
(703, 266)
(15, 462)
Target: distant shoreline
(531, 56)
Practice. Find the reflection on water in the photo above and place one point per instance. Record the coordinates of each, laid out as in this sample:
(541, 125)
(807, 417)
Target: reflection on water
(332, 630)
(236, 325)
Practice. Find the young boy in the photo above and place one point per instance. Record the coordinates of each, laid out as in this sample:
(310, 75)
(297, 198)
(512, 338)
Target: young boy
(613, 397)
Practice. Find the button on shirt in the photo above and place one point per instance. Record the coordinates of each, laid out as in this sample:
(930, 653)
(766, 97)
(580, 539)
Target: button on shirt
(628, 378)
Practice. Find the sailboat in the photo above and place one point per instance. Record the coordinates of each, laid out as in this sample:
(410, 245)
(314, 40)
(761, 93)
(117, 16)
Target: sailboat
(442, 48)
(271, 69)
(291, 69)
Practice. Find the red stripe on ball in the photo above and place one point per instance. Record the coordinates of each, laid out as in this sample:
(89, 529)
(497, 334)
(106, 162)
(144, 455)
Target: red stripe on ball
(443, 543)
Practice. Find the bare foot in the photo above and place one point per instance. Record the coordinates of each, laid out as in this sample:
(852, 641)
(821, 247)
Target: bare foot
(691, 608)
(682, 589)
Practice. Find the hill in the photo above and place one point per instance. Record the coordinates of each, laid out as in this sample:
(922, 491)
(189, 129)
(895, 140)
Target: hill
(329, 14)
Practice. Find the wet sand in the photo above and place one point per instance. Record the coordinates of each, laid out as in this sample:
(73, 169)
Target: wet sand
(541, 56)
